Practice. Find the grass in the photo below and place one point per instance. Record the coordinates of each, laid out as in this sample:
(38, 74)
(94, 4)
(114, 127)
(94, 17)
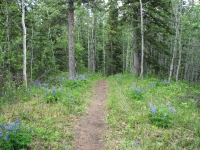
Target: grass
(50, 110)
(130, 126)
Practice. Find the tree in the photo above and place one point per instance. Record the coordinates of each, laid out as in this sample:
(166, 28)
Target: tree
(71, 38)
(24, 44)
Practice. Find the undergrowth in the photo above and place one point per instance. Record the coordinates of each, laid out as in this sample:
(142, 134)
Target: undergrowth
(50, 109)
(150, 114)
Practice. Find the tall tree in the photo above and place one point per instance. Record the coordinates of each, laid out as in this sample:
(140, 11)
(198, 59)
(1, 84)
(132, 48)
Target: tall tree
(24, 44)
(71, 38)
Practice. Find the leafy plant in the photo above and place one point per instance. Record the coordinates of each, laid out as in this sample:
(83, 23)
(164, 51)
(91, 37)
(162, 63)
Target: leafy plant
(162, 116)
(14, 136)
(53, 95)
(136, 93)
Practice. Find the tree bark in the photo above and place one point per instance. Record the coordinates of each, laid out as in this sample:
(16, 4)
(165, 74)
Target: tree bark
(71, 38)
(136, 62)
(24, 44)
(142, 45)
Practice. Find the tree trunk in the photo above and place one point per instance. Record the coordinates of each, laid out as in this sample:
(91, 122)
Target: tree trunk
(24, 45)
(71, 38)
(142, 45)
(136, 62)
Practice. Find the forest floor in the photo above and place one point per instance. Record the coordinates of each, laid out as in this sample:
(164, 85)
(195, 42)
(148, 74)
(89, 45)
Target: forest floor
(90, 127)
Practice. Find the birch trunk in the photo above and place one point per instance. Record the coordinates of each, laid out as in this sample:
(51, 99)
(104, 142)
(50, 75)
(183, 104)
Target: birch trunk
(175, 11)
(142, 45)
(24, 44)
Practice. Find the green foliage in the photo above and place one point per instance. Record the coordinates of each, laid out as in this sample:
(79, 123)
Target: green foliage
(15, 136)
(136, 93)
(169, 121)
(162, 116)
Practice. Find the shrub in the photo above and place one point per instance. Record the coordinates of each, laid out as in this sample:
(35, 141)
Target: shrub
(14, 136)
(136, 93)
(162, 116)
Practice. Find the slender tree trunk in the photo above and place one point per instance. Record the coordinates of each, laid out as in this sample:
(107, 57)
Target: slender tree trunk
(136, 62)
(104, 53)
(142, 45)
(24, 44)
(71, 38)
(7, 37)
(93, 45)
(127, 55)
(123, 49)
(180, 44)
(31, 51)
(175, 11)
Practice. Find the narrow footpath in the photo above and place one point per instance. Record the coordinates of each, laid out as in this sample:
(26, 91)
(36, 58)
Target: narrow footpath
(91, 126)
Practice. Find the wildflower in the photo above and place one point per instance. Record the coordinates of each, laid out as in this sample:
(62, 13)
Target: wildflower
(45, 84)
(54, 89)
(46, 91)
(2, 126)
(28, 92)
(9, 127)
(165, 116)
(131, 88)
(1, 135)
(71, 78)
(153, 109)
(166, 82)
(39, 84)
(151, 85)
(17, 122)
(60, 87)
(63, 78)
(2, 94)
(76, 77)
(135, 143)
(138, 91)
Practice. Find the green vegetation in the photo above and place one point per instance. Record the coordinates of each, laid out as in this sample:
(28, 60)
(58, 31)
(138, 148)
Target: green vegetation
(49, 110)
(160, 116)
(14, 136)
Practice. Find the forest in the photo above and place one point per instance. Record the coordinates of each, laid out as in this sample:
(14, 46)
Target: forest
(53, 53)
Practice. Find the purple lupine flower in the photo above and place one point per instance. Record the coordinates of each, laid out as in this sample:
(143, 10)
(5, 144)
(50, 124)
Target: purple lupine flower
(151, 85)
(9, 127)
(54, 89)
(138, 91)
(1, 135)
(153, 109)
(2, 126)
(45, 84)
(39, 84)
(131, 88)
(166, 82)
(2, 94)
(17, 122)
(165, 116)
(60, 87)
(46, 91)
(135, 143)
(63, 78)
(28, 92)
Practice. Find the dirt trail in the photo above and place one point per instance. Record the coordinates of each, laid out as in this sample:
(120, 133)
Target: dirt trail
(91, 126)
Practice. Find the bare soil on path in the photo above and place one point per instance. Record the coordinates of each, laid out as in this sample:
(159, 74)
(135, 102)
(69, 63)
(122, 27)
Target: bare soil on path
(91, 126)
